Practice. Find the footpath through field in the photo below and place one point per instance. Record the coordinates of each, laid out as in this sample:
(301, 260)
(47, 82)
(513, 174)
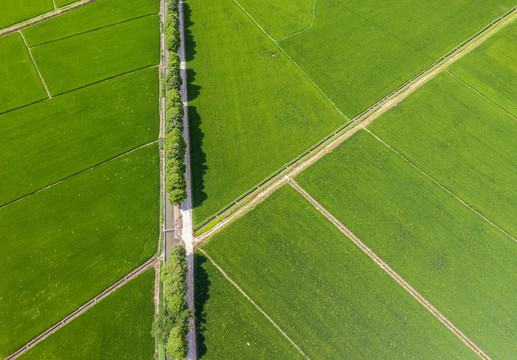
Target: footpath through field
(248, 201)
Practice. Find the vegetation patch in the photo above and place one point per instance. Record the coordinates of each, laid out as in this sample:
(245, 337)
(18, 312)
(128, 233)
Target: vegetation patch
(458, 261)
(90, 57)
(492, 68)
(228, 325)
(251, 110)
(63, 245)
(15, 11)
(320, 288)
(48, 141)
(115, 328)
(92, 16)
(20, 81)
(360, 51)
(463, 141)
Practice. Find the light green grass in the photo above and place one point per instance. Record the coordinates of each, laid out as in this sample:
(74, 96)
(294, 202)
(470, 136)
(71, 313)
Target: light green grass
(48, 141)
(280, 17)
(14, 11)
(322, 290)
(21, 84)
(463, 141)
(359, 51)
(227, 322)
(250, 109)
(65, 244)
(119, 327)
(84, 59)
(89, 17)
(492, 68)
(460, 263)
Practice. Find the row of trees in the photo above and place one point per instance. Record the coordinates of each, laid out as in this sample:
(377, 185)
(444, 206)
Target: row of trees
(172, 322)
(175, 145)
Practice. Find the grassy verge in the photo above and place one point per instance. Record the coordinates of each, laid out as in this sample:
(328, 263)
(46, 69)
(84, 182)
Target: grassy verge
(119, 327)
(459, 262)
(320, 288)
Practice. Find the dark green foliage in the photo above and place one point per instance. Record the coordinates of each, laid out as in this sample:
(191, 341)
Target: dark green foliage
(172, 39)
(175, 146)
(177, 346)
(173, 99)
(174, 119)
(172, 21)
(172, 5)
(172, 321)
(173, 78)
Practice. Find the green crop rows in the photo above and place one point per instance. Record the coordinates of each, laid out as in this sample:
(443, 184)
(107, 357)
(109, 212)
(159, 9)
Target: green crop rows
(13, 11)
(458, 261)
(250, 109)
(79, 206)
(229, 326)
(116, 328)
(291, 261)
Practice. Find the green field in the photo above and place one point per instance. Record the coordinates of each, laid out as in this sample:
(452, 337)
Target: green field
(228, 325)
(362, 50)
(328, 296)
(280, 17)
(62, 246)
(116, 328)
(90, 57)
(99, 14)
(16, 68)
(459, 262)
(491, 69)
(250, 109)
(463, 141)
(85, 127)
(14, 11)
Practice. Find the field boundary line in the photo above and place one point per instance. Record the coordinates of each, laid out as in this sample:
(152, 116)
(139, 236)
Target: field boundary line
(108, 79)
(92, 30)
(92, 302)
(42, 17)
(35, 65)
(442, 186)
(227, 214)
(78, 173)
(54, 3)
(480, 94)
(254, 304)
(292, 60)
(390, 271)
(307, 28)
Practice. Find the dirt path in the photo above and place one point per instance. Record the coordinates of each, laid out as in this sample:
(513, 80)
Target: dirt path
(390, 272)
(247, 202)
(149, 263)
(40, 18)
(254, 304)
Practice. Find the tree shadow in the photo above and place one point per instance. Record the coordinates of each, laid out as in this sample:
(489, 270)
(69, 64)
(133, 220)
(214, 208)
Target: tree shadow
(190, 48)
(197, 157)
(201, 296)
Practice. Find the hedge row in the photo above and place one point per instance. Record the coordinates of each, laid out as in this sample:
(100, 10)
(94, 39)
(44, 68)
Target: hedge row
(171, 324)
(175, 145)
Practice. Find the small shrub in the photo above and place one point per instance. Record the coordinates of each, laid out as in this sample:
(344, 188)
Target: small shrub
(177, 346)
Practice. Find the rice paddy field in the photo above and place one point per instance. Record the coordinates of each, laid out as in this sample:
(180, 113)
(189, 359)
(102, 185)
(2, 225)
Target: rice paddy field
(428, 187)
(128, 313)
(79, 206)
(291, 261)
